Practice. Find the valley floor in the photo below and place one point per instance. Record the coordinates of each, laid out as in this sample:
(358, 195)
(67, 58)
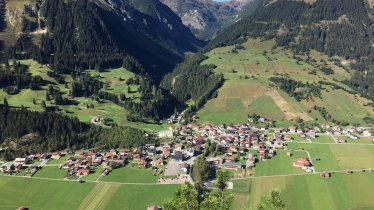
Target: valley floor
(132, 188)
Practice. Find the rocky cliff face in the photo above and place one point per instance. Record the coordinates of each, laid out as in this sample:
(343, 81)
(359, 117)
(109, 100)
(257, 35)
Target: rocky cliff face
(206, 18)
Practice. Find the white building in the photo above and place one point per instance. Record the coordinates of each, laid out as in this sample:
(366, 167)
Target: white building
(166, 133)
(367, 133)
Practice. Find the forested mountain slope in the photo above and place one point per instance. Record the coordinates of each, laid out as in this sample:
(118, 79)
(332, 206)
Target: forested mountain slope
(88, 34)
(98, 59)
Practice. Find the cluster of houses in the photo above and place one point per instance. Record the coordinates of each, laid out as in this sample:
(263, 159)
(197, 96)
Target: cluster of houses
(241, 145)
(83, 162)
(352, 131)
(176, 118)
(308, 133)
(17, 165)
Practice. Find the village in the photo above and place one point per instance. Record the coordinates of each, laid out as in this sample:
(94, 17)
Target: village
(237, 148)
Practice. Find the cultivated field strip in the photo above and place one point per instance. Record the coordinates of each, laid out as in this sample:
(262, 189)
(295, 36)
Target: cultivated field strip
(99, 197)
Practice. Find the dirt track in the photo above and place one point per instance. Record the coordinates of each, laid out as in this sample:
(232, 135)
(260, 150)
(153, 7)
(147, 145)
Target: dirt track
(286, 107)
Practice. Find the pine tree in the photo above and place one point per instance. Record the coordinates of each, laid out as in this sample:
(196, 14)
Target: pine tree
(44, 106)
(6, 104)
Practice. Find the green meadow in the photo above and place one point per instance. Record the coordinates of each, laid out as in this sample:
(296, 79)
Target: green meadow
(51, 172)
(62, 195)
(310, 192)
(280, 164)
(41, 194)
(338, 156)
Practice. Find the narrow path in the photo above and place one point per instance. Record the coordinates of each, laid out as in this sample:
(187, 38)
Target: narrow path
(358, 144)
(88, 181)
(333, 137)
(98, 178)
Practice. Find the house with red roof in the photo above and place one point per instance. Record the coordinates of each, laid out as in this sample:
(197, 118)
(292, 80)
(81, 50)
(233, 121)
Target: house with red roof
(302, 162)
(82, 172)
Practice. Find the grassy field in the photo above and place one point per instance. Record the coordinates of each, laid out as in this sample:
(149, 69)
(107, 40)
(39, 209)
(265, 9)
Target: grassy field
(42, 194)
(297, 138)
(51, 172)
(138, 197)
(309, 191)
(99, 197)
(338, 156)
(323, 139)
(342, 191)
(61, 195)
(239, 97)
(280, 164)
(130, 175)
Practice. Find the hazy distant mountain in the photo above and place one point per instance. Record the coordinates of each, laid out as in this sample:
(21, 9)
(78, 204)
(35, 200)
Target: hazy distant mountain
(206, 18)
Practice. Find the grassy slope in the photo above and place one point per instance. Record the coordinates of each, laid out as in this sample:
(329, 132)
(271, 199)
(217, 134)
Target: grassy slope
(238, 97)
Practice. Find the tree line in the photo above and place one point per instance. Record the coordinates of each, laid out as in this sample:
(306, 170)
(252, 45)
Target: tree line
(297, 89)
